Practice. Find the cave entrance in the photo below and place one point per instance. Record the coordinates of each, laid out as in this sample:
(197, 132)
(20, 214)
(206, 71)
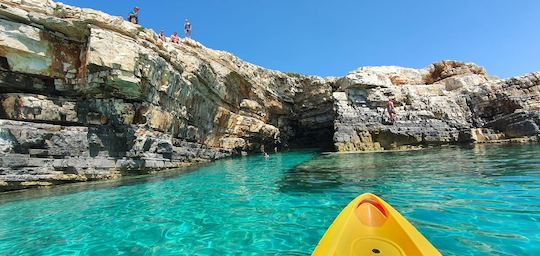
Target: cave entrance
(321, 137)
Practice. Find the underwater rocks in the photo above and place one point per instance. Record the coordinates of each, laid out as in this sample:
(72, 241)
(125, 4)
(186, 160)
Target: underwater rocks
(87, 96)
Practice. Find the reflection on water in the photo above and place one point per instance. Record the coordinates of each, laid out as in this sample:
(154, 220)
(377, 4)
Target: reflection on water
(475, 200)
(368, 170)
(333, 170)
(481, 200)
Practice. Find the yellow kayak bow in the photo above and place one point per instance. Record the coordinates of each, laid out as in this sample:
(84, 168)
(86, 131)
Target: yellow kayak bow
(370, 226)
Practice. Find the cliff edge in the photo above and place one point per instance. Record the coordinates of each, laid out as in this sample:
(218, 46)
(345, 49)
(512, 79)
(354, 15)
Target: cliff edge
(87, 96)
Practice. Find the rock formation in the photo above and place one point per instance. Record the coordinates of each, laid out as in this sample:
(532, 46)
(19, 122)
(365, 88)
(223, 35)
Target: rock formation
(86, 96)
(448, 102)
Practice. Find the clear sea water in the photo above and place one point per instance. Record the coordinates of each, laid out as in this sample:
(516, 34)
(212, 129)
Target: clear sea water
(481, 200)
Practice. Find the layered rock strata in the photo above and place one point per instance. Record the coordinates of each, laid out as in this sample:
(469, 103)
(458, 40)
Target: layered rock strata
(84, 96)
(448, 102)
(87, 96)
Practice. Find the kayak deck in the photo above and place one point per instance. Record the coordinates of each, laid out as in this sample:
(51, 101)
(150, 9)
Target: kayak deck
(370, 226)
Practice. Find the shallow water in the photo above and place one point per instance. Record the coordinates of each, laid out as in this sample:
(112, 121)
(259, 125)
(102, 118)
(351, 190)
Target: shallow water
(483, 200)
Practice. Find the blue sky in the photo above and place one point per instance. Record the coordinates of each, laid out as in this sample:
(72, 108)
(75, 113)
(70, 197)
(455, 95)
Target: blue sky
(331, 38)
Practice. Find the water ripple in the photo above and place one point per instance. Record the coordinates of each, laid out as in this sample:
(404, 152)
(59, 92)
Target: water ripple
(483, 200)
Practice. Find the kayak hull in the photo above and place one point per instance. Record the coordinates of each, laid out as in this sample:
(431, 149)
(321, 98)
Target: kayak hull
(370, 226)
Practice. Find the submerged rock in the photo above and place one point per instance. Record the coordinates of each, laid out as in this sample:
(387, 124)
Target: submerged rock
(86, 96)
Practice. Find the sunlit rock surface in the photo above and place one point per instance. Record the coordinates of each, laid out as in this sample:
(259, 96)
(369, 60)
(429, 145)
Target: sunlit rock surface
(87, 96)
(444, 103)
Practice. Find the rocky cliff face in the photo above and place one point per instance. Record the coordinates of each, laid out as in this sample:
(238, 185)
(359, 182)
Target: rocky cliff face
(448, 102)
(86, 96)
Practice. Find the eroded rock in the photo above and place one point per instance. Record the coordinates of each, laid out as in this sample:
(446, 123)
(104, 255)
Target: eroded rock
(436, 105)
(86, 96)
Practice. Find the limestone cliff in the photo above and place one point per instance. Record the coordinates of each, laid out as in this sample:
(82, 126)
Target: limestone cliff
(448, 102)
(85, 96)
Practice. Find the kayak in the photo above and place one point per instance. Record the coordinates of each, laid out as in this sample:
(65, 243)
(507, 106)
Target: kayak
(370, 226)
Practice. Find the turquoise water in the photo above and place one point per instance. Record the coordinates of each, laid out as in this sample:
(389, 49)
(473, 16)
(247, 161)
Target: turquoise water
(483, 200)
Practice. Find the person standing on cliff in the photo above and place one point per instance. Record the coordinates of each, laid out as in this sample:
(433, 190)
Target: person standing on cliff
(133, 16)
(391, 109)
(187, 28)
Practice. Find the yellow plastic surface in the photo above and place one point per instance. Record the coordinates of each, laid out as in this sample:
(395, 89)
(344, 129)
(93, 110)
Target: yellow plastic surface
(370, 226)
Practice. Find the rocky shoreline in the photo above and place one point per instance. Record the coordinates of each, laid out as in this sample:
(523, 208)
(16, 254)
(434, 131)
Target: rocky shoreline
(88, 96)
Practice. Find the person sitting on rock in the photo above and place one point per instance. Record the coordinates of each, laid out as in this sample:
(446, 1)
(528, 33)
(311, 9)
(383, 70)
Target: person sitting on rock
(133, 16)
(390, 108)
(187, 28)
(175, 38)
(162, 36)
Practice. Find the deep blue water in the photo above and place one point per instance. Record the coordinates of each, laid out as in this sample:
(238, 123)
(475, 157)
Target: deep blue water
(482, 200)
